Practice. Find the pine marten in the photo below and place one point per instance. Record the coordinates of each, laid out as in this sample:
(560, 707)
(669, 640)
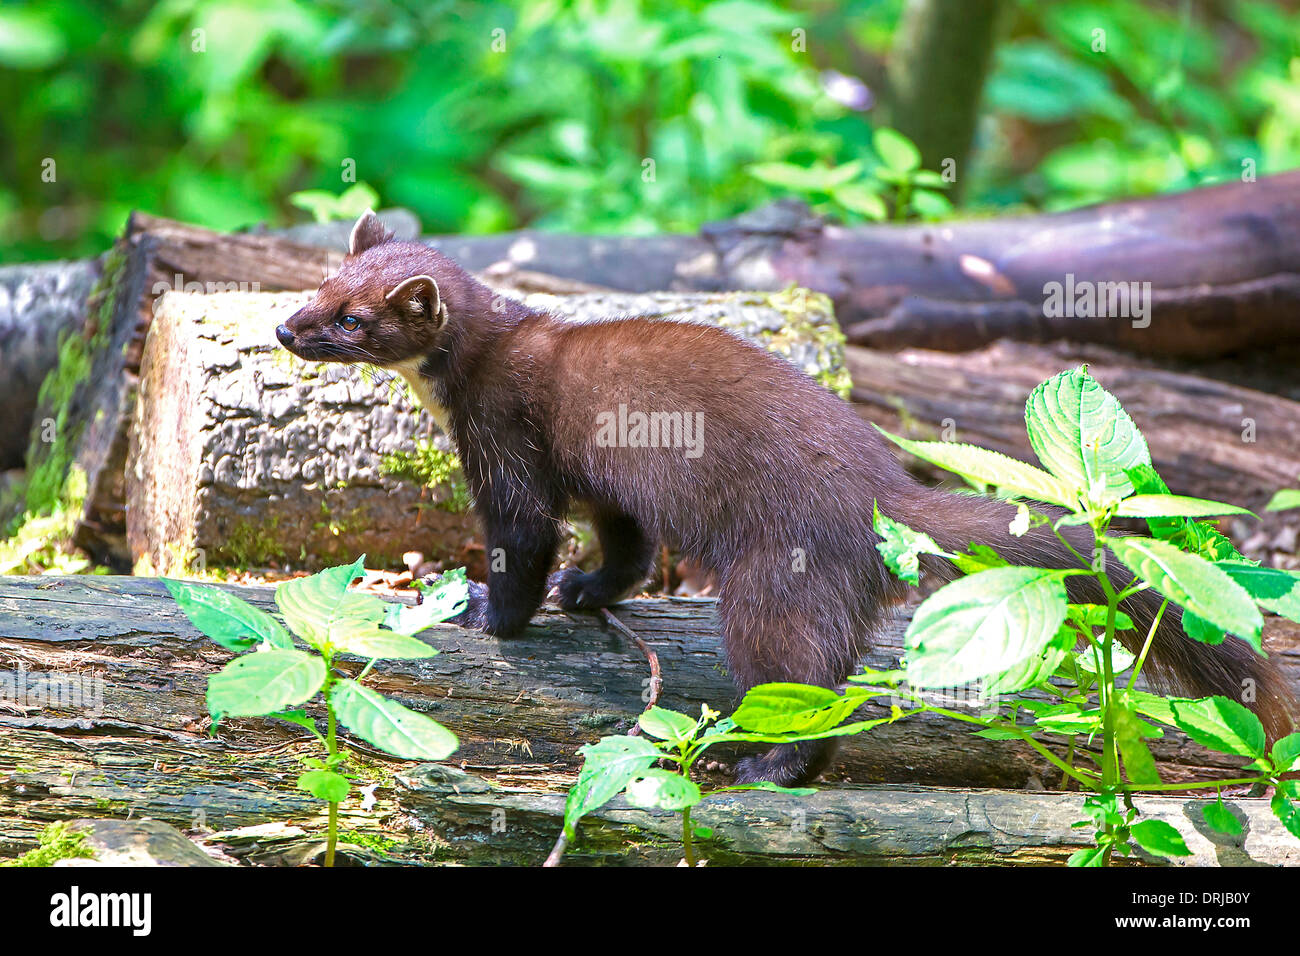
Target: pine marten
(777, 501)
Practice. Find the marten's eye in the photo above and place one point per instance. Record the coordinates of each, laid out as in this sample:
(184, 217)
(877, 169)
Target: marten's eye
(349, 323)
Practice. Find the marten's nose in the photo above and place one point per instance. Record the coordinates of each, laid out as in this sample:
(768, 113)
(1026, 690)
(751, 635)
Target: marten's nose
(284, 335)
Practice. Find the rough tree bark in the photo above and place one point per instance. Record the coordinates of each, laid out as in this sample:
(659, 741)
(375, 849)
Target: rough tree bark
(103, 710)
(38, 302)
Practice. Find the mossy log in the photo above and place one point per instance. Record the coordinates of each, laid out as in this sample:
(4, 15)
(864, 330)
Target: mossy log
(39, 302)
(479, 823)
(241, 454)
(1208, 439)
(102, 711)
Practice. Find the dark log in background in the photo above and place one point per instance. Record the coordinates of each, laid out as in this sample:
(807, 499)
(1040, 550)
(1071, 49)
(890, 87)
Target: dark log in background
(521, 708)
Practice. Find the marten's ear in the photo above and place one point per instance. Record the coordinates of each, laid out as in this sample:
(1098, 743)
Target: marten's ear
(367, 232)
(419, 296)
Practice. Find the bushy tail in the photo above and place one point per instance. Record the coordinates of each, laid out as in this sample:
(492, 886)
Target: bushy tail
(1176, 663)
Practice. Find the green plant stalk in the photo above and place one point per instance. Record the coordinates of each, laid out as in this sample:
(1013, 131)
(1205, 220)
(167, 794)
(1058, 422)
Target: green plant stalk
(688, 840)
(331, 745)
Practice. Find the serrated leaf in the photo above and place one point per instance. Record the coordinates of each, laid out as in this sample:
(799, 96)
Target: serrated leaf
(1034, 669)
(983, 625)
(664, 724)
(1273, 589)
(1159, 837)
(1088, 856)
(230, 621)
(388, 725)
(1221, 724)
(1082, 435)
(901, 547)
(320, 608)
(1009, 475)
(262, 683)
(325, 785)
(662, 789)
(1192, 582)
(1175, 506)
(608, 766)
(781, 708)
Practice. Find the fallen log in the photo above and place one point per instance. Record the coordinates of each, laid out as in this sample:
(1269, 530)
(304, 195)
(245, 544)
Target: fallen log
(102, 710)
(39, 302)
(1208, 439)
(856, 826)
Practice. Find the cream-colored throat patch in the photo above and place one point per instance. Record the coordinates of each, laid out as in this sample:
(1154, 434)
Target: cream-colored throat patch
(423, 389)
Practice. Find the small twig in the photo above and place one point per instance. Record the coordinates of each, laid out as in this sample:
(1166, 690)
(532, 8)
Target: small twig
(557, 851)
(656, 680)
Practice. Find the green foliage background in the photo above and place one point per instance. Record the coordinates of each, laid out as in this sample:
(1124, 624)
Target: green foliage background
(553, 131)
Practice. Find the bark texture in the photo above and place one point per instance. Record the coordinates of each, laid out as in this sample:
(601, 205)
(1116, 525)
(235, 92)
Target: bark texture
(103, 712)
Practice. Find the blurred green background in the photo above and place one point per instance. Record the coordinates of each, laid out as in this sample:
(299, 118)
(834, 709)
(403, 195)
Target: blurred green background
(484, 116)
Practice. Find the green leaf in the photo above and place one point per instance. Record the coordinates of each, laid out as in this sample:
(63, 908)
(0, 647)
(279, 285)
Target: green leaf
(388, 725)
(979, 557)
(325, 785)
(298, 717)
(895, 150)
(1286, 753)
(1196, 584)
(262, 683)
(1138, 761)
(1083, 436)
(1088, 856)
(1094, 615)
(1220, 724)
(446, 599)
(1199, 629)
(862, 199)
(609, 765)
(1276, 590)
(1175, 506)
(230, 621)
(378, 642)
(1284, 500)
(793, 709)
(666, 724)
(901, 547)
(983, 624)
(1284, 806)
(320, 608)
(1010, 476)
(1219, 817)
(1159, 837)
(663, 789)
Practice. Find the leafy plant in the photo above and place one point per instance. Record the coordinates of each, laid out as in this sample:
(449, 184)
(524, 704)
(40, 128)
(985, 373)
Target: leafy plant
(272, 677)
(769, 713)
(326, 206)
(857, 190)
(1013, 628)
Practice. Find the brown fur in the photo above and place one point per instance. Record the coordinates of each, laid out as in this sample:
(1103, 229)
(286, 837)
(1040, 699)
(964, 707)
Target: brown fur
(779, 504)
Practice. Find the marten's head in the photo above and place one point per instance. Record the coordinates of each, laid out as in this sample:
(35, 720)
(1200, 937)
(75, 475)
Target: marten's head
(387, 304)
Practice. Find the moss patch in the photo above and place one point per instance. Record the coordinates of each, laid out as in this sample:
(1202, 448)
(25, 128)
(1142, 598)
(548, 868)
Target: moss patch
(58, 842)
(433, 468)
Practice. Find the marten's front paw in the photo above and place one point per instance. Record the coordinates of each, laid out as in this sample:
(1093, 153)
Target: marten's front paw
(575, 590)
(475, 613)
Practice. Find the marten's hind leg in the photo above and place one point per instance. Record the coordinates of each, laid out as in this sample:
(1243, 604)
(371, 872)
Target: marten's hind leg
(626, 556)
(778, 626)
